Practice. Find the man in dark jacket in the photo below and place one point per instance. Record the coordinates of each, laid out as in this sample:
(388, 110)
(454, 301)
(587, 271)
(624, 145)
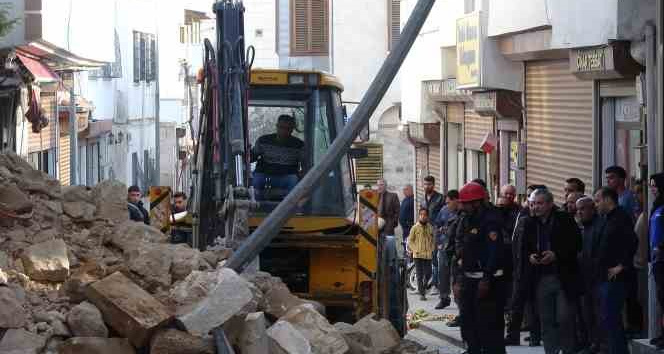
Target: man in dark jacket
(552, 242)
(434, 202)
(446, 216)
(615, 258)
(591, 227)
(136, 210)
(407, 211)
(388, 209)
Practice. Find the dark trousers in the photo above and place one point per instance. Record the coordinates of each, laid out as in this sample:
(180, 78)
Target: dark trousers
(658, 275)
(612, 300)
(444, 275)
(483, 323)
(423, 271)
(590, 310)
(522, 304)
(633, 308)
(434, 269)
(557, 315)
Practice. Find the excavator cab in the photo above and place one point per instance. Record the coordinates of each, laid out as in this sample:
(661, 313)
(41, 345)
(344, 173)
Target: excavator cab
(313, 99)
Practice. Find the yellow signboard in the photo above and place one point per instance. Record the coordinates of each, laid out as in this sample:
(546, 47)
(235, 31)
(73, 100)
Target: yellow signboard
(468, 50)
(160, 208)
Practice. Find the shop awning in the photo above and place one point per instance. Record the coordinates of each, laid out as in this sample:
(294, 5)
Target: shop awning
(37, 69)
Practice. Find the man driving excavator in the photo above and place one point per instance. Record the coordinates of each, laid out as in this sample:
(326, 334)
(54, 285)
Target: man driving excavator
(279, 157)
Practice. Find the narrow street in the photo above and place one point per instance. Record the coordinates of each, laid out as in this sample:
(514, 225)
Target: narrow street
(446, 339)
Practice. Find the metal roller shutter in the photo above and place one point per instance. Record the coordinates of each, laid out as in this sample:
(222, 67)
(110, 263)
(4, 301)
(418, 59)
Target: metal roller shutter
(422, 171)
(455, 112)
(559, 126)
(475, 128)
(434, 164)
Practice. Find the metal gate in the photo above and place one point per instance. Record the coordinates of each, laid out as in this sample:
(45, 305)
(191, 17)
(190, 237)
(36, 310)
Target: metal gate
(559, 126)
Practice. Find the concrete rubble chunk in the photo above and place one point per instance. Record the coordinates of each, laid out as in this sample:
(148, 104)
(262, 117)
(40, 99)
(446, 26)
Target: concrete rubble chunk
(286, 339)
(47, 261)
(13, 199)
(20, 341)
(12, 314)
(152, 263)
(172, 341)
(185, 260)
(193, 288)
(111, 201)
(383, 335)
(130, 235)
(95, 345)
(322, 336)
(78, 194)
(79, 211)
(278, 300)
(4, 260)
(407, 346)
(229, 295)
(358, 339)
(254, 339)
(85, 320)
(128, 309)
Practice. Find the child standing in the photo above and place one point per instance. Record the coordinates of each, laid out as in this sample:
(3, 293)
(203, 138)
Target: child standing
(421, 246)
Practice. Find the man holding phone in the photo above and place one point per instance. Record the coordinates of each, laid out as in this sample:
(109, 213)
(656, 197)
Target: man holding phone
(552, 241)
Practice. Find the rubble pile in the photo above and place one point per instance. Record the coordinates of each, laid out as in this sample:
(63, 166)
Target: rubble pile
(76, 276)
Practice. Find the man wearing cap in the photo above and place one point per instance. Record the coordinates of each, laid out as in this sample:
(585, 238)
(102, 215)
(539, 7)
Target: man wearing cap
(483, 299)
(279, 157)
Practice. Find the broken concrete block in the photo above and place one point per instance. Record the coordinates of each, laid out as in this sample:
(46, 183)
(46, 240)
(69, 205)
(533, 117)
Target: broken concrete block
(322, 336)
(185, 260)
(47, 261)
(383, 335)
(127, 308)
(96, 345)
(278, 300)
(172, 341)
(358, 339)
(229, 295)
(12, 314)
(152, 263)
(79, 211)
(85, 320)
(253, 339)
(20, 341)
(13, 199)
(111, 201)
(78, 194)
(130, 234)
(286, 339)
(193, 288)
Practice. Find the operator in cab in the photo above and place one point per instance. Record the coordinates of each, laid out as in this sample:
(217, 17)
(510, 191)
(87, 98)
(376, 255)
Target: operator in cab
(279, 157)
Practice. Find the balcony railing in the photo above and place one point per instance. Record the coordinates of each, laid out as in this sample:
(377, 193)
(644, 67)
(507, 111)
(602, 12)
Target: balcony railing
(445, 90)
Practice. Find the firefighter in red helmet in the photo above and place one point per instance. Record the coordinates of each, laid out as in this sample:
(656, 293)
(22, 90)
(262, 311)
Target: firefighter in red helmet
(478, 245)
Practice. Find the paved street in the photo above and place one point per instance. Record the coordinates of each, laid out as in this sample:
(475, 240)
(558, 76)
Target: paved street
(448, 339)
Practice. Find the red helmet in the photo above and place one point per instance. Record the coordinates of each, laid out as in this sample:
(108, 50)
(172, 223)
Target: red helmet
(471, 191)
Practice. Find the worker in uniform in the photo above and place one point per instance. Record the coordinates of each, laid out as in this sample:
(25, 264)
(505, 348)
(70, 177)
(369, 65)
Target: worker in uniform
(483, 296)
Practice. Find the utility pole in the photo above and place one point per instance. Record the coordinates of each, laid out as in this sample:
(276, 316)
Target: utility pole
(73, 136)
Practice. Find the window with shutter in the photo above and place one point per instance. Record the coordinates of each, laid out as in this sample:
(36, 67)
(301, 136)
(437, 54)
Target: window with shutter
(152, 52)
(394, 22)
(369, 169)
(310, 23)
(137, 56)
(145, 60)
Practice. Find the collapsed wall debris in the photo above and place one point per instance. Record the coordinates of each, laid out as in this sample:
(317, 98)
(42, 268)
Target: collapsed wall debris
(76, 276)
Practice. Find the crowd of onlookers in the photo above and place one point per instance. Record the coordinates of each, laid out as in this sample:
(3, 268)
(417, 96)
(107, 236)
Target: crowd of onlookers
(577, 271)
